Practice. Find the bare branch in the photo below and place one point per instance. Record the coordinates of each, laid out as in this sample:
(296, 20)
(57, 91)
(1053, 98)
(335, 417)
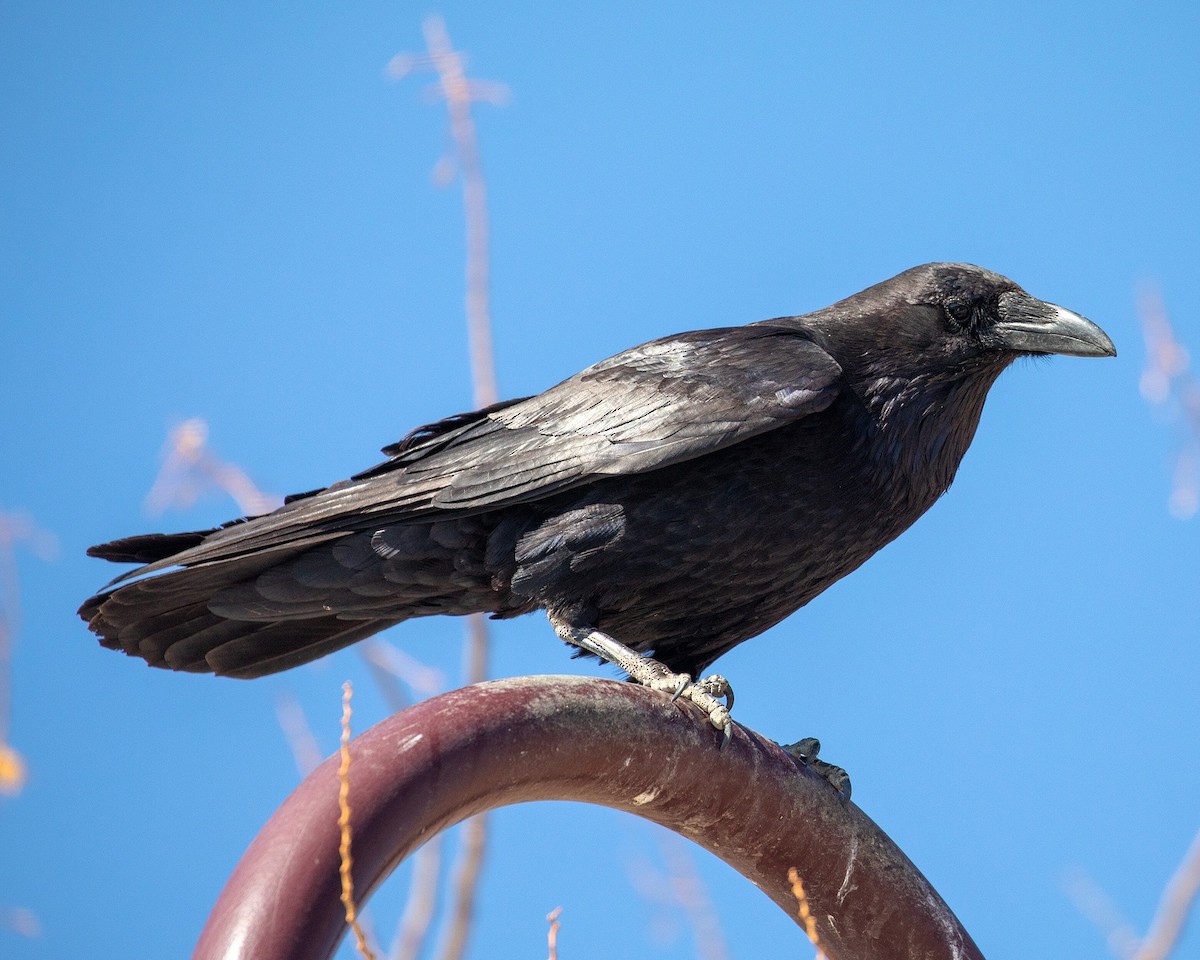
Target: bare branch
(298, 733)
(15, 527)
(1174, 907)
(681, 889)
(345, 832)
(473, 840)
(190, 468)
(424, 680)
(459, 93)
(21, 921)
(1098, 907)
(422, 901)
(176, 483)
(1167, 380)
(552, 933)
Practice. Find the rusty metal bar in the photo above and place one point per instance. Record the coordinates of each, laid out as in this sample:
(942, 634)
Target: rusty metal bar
(596, 741)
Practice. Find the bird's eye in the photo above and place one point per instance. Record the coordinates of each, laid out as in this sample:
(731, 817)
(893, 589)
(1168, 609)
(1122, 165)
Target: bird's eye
(959, 310)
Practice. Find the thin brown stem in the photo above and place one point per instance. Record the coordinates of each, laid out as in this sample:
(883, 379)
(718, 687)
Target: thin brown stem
(297, 731)
(389, 668)
(1167, 380)
(692, 895)
(422, 901)
(467, 870)
(1173, 909)
(552, 933)
(16, 527)
(190, 467)
(459, 92)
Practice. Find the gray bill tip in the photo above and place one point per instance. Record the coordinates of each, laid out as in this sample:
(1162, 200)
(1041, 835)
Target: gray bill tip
(1034, 326)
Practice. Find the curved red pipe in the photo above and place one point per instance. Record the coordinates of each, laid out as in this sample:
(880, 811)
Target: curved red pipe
(597, 741)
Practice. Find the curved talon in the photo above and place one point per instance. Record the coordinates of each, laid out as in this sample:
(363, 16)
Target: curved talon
(836, 777)
(807, 749)
(719, 717)
(718, 686)
(705, 693)
(839, 779)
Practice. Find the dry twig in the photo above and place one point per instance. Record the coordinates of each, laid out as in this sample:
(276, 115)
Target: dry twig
(21, 921)
(421, 904)
(806, 917)
(344, 858)
(459, 92)
(1098, 907)
(15, 527)
(298, 733)
(681, 889)
(1174, 907)
(552, 934)
(1167, 380)
(692, 895)
(190, 468)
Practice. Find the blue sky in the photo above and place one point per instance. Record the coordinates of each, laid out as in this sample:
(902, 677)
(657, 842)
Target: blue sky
(225, 210)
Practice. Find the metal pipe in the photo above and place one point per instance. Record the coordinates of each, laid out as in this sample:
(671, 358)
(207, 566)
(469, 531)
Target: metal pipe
(596, 741)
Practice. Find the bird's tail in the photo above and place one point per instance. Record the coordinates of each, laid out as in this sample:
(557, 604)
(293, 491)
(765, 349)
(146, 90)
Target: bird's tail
(214, 617)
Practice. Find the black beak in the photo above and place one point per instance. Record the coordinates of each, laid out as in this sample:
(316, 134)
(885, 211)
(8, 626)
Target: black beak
(1032, 326)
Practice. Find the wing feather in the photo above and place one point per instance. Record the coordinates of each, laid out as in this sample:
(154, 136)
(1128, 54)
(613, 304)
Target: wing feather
(664, 402)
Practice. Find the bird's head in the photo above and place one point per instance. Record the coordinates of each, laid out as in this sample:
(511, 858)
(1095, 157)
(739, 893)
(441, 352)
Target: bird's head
(948, 320)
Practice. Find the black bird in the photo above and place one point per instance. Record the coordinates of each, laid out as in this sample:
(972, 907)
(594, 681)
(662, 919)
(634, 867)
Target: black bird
(671, 501)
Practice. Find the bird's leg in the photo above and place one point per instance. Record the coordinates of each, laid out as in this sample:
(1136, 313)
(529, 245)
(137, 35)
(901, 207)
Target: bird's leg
(650, 673)
(806, 751)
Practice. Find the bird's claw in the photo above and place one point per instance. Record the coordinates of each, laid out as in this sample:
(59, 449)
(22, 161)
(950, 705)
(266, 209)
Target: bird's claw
(717, 686)
(837, 778)
(703, 693)
(806, 751)
(650, 673)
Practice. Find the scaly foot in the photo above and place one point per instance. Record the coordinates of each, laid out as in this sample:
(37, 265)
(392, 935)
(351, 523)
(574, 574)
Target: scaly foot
(650, 673)
(806, 751)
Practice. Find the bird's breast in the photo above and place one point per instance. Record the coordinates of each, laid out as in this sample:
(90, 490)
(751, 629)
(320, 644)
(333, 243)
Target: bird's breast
(715, 550)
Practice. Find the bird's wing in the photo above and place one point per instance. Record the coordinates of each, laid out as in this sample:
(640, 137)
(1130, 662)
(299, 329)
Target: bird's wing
(661, 403)
(664, 402)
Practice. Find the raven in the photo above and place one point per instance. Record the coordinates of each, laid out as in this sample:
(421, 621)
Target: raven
(669, 502)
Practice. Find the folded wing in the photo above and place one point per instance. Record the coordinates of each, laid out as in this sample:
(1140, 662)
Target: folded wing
(664, 402)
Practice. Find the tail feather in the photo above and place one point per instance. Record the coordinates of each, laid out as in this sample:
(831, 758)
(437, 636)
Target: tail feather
(185, 645)
(166, 619)
(193, 639)
(232, 602)
(271, 648)
(148, 547)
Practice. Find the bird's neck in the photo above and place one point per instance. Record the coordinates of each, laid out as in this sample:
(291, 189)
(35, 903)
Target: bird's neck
(922, 428)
